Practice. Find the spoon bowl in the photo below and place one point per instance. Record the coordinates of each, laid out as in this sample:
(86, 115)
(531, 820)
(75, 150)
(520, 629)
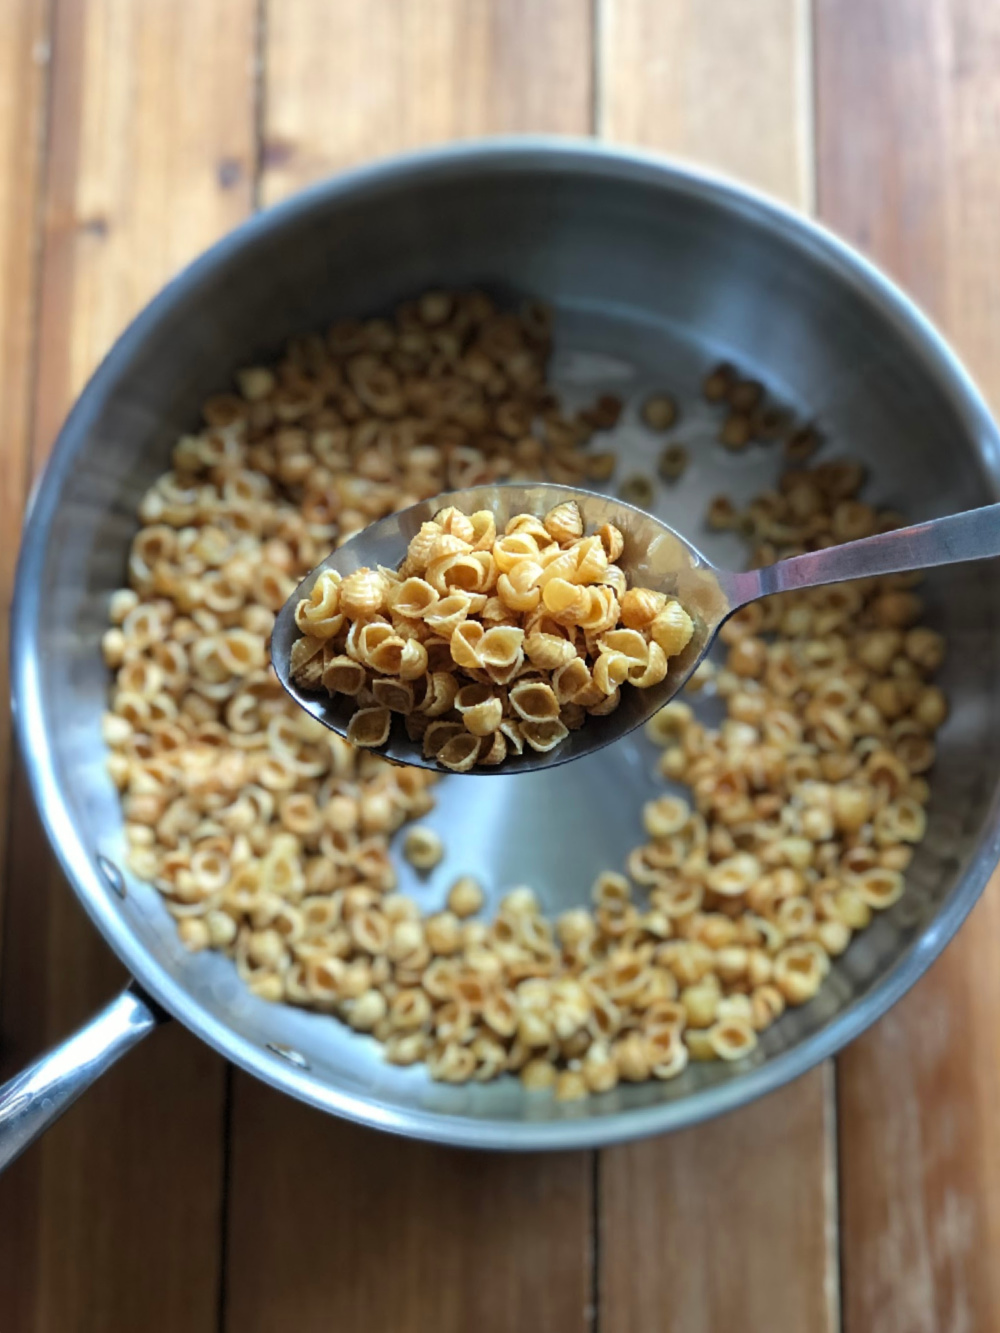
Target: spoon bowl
(654, 556)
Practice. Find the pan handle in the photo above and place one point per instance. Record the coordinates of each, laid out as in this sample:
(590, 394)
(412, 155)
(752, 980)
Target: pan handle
(38, 1095)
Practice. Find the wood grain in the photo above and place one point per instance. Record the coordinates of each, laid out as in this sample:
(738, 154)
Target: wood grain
(358, 79)
(908, 115)
(731, 1217)
(341, 1225)
(24, 45)
(726, 83)
(363, 1232)
(730, 1224)
(113, 1222)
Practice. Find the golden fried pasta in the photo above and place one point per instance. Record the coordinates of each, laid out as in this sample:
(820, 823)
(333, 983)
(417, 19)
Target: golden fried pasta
(505, 640)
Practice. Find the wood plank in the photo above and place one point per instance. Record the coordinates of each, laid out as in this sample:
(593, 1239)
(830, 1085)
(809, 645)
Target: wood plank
(357, 79)
(319, 1209)
(332, 1224)
(113, 1221)
(24, 40)
(24, 78)
(908, 106)
(731, 1223)
(727, 84)
(730, 1214)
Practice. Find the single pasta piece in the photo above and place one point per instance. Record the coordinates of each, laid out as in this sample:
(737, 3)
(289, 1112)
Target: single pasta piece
(363, 593)
(460, 753)
(342, 675)
(534, 701)
(484, 642)
(465, 897)
(659, 412)
(396, 695)
(319, 614)
(544, 736)
(423, 848)
(369, 727)
(481, 709)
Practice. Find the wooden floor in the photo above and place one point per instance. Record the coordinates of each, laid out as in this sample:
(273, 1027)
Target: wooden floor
(180, 1196)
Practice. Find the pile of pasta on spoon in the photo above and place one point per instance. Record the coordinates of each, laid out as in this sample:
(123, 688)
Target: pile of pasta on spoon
(485, 642)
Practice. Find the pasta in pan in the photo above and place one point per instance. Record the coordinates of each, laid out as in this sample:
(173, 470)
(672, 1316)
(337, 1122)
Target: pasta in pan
(269, 838)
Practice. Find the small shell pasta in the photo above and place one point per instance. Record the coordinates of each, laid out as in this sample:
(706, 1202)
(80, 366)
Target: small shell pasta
(319, 614)
(413, 597)
(363, 593)
(268, 838)
(543, 736)
(343, 675)
(369, 727)
(534, 701)
(672, 629)
(481, 710)
(529, 623)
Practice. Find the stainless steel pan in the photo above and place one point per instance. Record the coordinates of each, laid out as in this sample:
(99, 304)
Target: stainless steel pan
(655, 272)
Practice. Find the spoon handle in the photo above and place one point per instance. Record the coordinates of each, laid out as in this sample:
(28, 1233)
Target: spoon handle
(974, 535)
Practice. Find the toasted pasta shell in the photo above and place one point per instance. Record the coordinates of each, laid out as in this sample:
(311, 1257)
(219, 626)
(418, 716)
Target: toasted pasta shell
(414, 597)
(362, 593)
(564, 600)
(413, 660)
(610, 670)
(548, 652)
(655, 669)
(496, 753)
(543, 736)
(672, 629)
(460, 753)
(511, 548)
(460, 572)
(442, 687)
(571, 680)
(386, 656)
(396, 695)
(534, 701)
(528, 525)
(466, 644)
(612, 540)
(455, 523)
(481, 709)
(503, 675)
(501, 647)
(449, 612)
(628, 642)
(437, 736)
(591, 560)
(319, 614)
(564, 523)
(602, 707)
(511, 732)
(600, 610)
(484, 530)
(369, 727)
(306, 663)
(449, 543)
(641, 606)
(419, 549)
(519, 589)
(343, 675)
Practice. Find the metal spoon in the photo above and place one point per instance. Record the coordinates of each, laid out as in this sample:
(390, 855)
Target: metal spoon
(655, 556)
